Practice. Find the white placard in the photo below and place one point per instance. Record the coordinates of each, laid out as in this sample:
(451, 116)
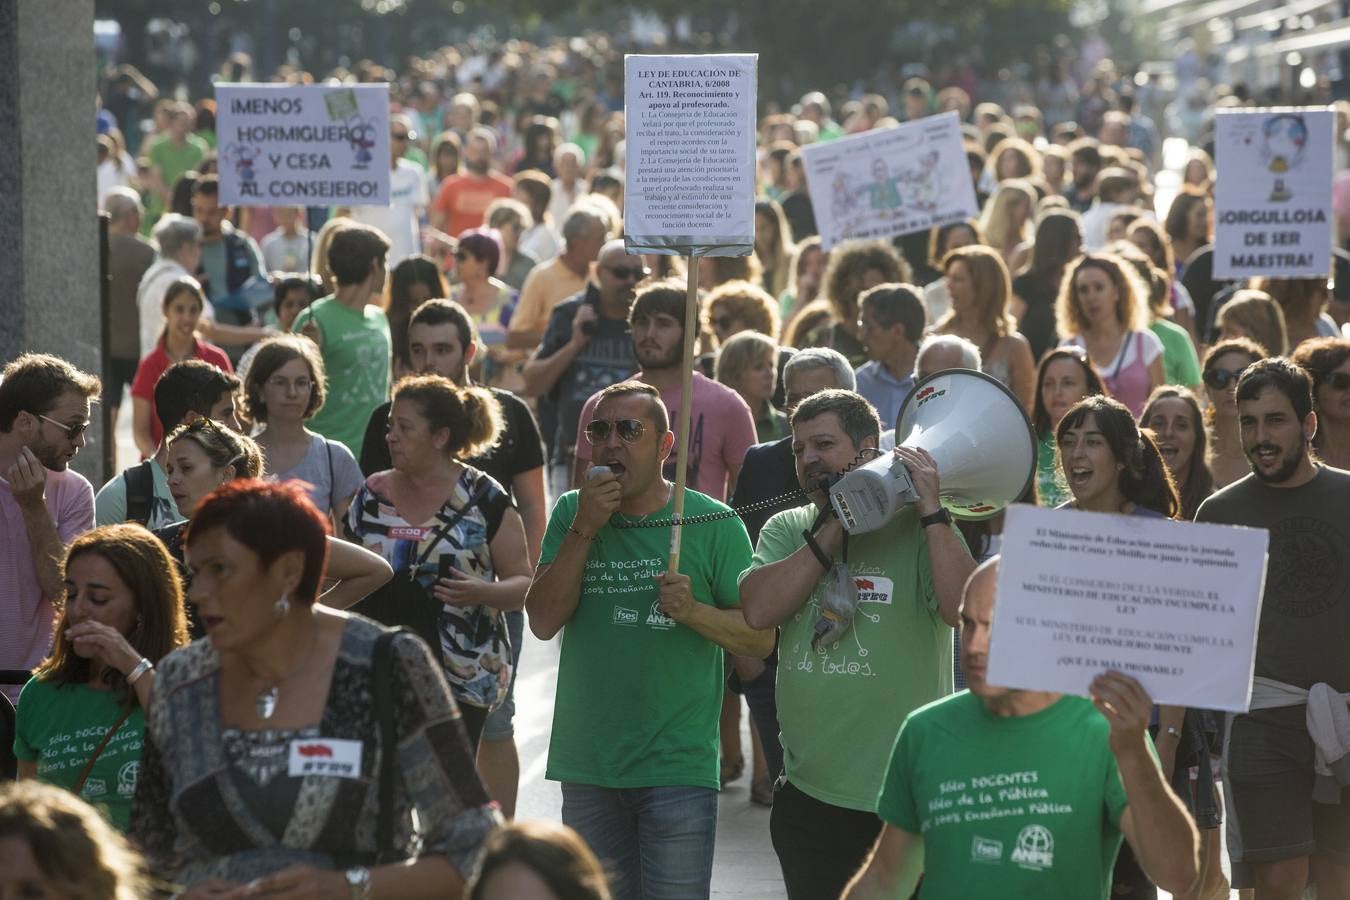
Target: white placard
(1272, 199)
(690, 150)
(303, 145)
(1174, 604)
(890, 181)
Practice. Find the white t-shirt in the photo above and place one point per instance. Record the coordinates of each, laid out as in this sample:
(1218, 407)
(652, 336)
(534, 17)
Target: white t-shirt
(399, 220)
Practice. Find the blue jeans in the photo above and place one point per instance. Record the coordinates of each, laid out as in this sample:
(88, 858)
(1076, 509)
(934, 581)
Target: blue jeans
(656, 842)
(501, 721)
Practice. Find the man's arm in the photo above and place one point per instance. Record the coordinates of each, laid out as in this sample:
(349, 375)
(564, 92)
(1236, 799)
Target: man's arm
(543, 370)
(1155, 822)
(893, 868)
(948, 559)
(726, 628)
(28, 482)
(771, 593)
(528, 490)
(233, 335)
(556, 589)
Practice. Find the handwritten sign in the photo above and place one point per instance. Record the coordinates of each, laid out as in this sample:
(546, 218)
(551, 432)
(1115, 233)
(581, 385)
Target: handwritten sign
(890, 181)
(1173, 604)
(1272, 200)
(690, 184)
(303, 145)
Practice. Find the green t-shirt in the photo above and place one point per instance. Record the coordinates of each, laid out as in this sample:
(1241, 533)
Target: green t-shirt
(174, 161)
(1025, 806)
(1051, 490)
(356, 353)
(1180, 364)
(638, 695)
(59, 727)
(839, 709)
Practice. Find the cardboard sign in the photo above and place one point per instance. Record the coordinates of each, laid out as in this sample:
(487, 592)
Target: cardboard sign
(1272, 199)
(690, 182)
(890, 181)
(1174, 604)
(303, 145)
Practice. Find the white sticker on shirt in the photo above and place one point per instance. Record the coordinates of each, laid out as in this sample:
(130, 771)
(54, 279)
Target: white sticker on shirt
(328, 757)
(874, 589)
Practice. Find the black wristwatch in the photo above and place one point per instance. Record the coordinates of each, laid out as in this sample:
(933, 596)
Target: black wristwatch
(941, 517)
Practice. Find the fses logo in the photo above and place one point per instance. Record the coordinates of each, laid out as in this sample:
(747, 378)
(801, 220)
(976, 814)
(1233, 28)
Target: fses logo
(624, 616)
(929, 393)
(311, 750)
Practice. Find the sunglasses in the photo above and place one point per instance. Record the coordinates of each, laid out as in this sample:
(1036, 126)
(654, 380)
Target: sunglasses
(1338, 380)
(463, 255)
(399, 137)
(629, 430)
(723, 323)
(1222, 378)
(72, 431)
(637, 273)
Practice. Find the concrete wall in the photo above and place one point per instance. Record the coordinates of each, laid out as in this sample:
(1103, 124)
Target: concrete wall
(49, 266)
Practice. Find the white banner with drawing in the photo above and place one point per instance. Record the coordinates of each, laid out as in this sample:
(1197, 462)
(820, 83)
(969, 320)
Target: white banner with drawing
(890, 181)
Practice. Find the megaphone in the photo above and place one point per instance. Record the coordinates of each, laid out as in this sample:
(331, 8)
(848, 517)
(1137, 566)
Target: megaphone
(976, 430)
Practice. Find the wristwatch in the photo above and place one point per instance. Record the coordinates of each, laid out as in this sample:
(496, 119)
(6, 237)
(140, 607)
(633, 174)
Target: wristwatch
(358, 883)
(941, 517)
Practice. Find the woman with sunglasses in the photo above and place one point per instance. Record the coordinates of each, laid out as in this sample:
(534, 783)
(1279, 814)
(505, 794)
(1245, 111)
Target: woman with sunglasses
(81, 718)
(1328, 361)
(450, 533)
(1063, 378)
(489, 302)
(1224, 362)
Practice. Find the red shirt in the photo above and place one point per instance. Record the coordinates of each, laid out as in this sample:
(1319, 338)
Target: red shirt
(465, 198)
(153, 365)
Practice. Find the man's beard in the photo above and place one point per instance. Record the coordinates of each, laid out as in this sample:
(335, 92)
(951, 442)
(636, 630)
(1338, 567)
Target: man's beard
(670, 361)
(1286, 469)
(49, 456)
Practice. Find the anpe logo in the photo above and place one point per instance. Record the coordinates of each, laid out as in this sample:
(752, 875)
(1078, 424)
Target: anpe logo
(624, 616)
(1035, 848)
(986, 850)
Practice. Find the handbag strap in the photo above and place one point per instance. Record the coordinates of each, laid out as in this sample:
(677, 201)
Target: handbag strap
(382, 674)
(98, 751)
(479, 489)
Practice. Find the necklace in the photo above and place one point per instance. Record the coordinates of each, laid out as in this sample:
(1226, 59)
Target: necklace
(265, 703)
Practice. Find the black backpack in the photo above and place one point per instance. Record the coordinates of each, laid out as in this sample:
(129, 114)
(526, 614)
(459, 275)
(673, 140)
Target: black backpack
(140, 485)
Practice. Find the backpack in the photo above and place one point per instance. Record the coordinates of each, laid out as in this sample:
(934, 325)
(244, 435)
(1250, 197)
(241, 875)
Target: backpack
(140, 486)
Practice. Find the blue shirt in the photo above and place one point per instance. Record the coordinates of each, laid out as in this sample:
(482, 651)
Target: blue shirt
(884, 391)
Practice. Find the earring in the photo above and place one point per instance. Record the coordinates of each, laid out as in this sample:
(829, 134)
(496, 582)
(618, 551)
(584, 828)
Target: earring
(281, 607)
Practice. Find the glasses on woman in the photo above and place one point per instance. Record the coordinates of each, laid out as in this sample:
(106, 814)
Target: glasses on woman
(1218, 379)
(629, 430)
(464, 255)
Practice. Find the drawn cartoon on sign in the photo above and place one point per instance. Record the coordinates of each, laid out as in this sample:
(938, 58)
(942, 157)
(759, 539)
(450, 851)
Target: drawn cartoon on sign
(890, 181)
(1283, 139)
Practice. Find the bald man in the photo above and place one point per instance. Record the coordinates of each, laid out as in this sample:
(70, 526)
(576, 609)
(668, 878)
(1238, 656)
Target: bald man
(995, 792)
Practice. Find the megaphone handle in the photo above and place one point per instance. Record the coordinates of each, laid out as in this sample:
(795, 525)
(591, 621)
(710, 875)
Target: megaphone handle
(904, 485)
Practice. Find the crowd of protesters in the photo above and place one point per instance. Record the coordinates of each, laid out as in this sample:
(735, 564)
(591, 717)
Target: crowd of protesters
(454, 415)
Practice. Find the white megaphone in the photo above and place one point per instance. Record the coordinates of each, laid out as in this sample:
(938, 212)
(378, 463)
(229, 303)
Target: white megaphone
(976, 430)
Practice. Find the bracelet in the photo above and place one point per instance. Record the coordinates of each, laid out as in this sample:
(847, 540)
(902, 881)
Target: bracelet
(580, 534)
(138, 673)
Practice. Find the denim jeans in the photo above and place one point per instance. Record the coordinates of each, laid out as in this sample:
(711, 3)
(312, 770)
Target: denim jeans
(656, 843)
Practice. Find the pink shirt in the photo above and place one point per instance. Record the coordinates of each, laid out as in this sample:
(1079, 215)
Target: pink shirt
(721, 429)
(26, 616)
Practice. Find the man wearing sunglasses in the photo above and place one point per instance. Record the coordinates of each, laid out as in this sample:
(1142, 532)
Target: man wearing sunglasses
(44, 411)
(1285, 820)
(635, 726)
(721, 426)
(587, 346)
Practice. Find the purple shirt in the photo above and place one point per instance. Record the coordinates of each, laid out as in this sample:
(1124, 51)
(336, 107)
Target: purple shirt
(26, 616)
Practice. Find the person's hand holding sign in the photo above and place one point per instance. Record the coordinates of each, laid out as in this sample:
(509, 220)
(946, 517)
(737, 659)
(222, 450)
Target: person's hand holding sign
(1126, 706)
(676, 600)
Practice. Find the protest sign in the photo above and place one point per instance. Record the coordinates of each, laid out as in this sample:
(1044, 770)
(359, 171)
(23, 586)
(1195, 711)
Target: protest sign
(303, 145)
(1173, 604)
(890, 181)
(690, 145)
(1272, 199)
